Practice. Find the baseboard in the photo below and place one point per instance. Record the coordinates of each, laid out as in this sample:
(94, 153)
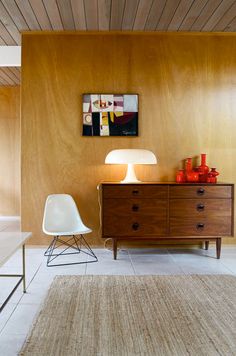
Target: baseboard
(9, 218)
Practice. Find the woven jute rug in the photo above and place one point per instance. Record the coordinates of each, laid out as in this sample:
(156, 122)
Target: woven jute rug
(136, 315)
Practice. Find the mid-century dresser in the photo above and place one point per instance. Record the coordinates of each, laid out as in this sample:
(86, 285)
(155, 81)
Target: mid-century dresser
(164, 211)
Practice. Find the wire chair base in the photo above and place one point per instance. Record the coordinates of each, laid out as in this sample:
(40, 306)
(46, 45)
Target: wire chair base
(76, 243)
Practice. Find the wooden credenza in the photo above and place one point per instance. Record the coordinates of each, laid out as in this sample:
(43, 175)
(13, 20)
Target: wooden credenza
(164, 211)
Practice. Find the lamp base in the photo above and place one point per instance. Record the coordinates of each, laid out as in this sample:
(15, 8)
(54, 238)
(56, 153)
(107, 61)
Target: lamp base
(130, 182)
(130, 175)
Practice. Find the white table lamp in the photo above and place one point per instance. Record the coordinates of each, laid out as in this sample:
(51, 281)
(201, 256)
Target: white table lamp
(130, 157)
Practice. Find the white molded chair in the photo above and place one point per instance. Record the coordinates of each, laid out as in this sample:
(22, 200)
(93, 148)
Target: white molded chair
(62, 219)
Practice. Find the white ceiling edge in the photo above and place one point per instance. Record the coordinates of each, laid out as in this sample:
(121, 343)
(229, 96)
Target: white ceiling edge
(10, 56)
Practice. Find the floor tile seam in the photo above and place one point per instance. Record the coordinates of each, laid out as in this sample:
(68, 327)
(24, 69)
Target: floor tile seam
(228, 268)
(8, 318)
(7, 227)
(133, 266)
(22, 294)
(86, 265)
(153, 262)
(176, 263)
(34, 275)
(205, 268)
(131, 263)
(23, 335)
(19, 301)
(203, 263)
(33, 303)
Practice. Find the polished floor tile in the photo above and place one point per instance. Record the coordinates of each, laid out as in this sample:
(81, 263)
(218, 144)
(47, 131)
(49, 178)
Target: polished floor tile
(154, 264)
(11, 344)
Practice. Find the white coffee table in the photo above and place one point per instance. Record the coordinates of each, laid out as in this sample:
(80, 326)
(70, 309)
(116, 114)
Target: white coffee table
(9, 243)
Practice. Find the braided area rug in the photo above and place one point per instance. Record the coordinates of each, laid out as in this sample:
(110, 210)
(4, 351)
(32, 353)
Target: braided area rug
(136, 315)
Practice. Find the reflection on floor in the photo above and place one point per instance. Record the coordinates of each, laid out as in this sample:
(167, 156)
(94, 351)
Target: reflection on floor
(17, 317)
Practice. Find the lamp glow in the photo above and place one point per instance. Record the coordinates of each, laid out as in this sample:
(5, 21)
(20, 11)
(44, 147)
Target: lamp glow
(130, 157)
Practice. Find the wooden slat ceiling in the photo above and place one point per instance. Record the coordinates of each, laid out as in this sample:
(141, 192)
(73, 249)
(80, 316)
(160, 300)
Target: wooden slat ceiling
(9, 76)
(109, 15)
(102, 15)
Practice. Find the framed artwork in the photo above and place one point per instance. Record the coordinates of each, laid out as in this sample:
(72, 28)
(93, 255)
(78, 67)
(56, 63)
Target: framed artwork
(110, 115)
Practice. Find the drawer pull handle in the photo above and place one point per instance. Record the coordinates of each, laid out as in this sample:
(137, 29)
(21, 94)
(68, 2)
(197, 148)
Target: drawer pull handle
(200, 226)
(135, 191)
(200, 191)
(135, 207)
(200, 207)
(135, 226)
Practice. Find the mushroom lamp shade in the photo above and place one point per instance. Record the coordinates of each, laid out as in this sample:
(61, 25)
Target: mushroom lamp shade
(130, 157)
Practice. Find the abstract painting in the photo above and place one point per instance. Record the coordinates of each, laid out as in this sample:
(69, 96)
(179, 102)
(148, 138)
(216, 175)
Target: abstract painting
(110, 115)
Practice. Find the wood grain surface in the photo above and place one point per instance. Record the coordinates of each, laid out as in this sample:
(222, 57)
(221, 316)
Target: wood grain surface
(186, 87)
(10, 151)
(160, 218)
(200, 207)
(135, 191)
(143, 226)
(134, 207)
(213, 226)
(198, 191)
(109, 15)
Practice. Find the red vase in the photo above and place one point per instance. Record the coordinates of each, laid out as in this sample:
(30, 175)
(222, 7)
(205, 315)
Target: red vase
(191, 175)
(203, 169)
(180, 176)
(210, 178)
(213, 173)
(188, 165)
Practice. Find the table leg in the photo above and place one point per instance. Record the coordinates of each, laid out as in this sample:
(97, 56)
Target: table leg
(114, 242)
(23, 263)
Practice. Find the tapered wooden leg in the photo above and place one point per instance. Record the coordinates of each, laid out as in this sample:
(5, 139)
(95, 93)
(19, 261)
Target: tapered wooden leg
(114, 242)
(218, 247)
(206, 245)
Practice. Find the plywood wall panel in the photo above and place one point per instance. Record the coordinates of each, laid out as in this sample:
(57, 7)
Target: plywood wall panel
(186, 86)
(10, 151)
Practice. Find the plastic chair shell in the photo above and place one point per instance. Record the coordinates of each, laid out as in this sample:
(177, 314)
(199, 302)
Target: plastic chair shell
(61, 216)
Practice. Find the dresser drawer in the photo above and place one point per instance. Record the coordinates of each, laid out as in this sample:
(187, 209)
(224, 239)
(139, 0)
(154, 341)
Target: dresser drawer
(200, 207)
(135, 190)
(137, 226)
(135, 207)
(205, 191)
(215, 226)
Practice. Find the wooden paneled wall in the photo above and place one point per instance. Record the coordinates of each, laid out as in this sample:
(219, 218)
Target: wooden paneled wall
(10, 151)
(187, 91)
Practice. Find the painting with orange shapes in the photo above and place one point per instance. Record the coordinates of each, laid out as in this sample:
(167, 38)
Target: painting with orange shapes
(110, 115)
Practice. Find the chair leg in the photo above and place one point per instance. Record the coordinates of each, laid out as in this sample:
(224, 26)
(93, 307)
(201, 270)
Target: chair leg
(51, 251)
(47, 252)
(91, 253)
(61, 243)
(74, 243)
